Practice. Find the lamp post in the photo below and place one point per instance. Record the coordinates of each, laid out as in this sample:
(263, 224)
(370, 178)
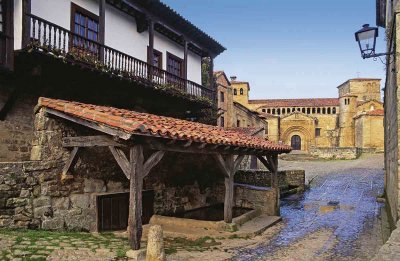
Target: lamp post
(366, 38)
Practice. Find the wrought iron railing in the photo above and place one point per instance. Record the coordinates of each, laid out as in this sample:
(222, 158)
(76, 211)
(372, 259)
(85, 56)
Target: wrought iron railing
(49, 37)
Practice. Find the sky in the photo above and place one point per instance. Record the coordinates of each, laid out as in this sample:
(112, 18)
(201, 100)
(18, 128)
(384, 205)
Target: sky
(287, 49)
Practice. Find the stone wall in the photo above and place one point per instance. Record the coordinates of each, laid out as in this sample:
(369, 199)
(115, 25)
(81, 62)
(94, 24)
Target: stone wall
(33, 196)
(262, 198)
(336, 153)
(262, 178)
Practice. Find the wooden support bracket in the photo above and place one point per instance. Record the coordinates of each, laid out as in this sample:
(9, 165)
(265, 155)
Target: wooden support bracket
(70, 164)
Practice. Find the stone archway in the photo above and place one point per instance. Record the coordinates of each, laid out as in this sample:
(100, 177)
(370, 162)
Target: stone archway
(302, 136)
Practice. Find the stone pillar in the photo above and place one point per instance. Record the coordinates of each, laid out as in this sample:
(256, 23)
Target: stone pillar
(155, 244)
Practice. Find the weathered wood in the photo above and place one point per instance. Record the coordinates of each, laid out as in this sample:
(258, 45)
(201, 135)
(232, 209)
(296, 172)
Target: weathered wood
(135, 196)
(238, 160)
(152, 161)
(222, 165)
(265, 163)
(92, 125)
(121, 159)
(185, 59)
(90, 141)
(70, 162)
(26, 28)
(229, 189)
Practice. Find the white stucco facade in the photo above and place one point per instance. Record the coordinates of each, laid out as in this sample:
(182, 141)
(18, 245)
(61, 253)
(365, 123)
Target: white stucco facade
(120, 31)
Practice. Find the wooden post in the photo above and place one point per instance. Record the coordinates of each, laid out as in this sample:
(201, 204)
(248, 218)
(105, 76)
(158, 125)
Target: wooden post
(26, 23)
(276, 183)
(185, 58)
(229, 180)
(135, 196)
(151, 48)
(102, 26)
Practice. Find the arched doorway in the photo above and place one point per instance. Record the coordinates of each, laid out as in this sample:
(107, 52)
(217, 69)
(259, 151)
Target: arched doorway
(296, 142)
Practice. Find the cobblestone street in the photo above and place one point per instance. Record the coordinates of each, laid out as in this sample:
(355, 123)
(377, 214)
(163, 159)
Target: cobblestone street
(337, 219)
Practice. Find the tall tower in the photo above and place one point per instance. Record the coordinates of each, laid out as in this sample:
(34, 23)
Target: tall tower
(347, 110)
(240, 91)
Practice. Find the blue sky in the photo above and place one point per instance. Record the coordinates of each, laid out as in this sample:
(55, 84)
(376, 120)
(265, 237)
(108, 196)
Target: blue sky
(287, 49)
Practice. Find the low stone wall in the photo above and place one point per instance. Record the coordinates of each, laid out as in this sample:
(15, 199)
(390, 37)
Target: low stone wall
(391, 249)
(262, 178)
(348, 153)
(261, 198)
(33, 196)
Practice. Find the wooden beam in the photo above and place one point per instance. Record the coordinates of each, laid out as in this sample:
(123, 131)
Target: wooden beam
(89, 124)
(26, 21)
(152, 161)
(70, 163)
(102, 26)
(90, 141)
(222, 165)
(185, 59)
(229, 189)
(151, 47)
(135, 196)
(265, 162)
(121, 159)
(238, 160)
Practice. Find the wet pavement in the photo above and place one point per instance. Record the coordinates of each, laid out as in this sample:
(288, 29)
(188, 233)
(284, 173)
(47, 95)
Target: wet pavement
(338, 218)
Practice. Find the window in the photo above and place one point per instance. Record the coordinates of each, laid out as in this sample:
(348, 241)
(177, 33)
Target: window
(222, 96)
(279, 111)
(334, 110)
(2, 16)
(157, 58)
(308, 110)
(241, 91)
(329, 110)
(263, 110)
(317, 132)
(318, 110)
(273, 111)
(323, 110)
(303, 110)
(174, 65)
(269, 111)
(253, 162)
(222, 121)
(234, 92)
(313, 110)
(86, 25)
(238, 123)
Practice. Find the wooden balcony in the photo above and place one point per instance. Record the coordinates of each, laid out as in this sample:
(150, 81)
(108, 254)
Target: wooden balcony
(61, 43)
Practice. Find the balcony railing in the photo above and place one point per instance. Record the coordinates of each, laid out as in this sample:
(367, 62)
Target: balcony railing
(51, 38)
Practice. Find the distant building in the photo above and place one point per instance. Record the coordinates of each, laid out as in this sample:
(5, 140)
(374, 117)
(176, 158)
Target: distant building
(355, 119)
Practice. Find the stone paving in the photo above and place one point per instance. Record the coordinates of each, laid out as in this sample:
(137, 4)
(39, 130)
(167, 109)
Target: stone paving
(56, 246)
(337, 219)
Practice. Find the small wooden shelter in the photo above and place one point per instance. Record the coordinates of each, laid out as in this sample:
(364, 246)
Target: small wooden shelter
(128, 130)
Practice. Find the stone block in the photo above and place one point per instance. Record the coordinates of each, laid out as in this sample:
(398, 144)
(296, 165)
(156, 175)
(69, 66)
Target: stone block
(61, 203)
(155, 244)
(94, 185)
(113, 186)
(56, 223)
(17, 202)
(80, 200)
(5, 187)
(42, 201)
(44, 211)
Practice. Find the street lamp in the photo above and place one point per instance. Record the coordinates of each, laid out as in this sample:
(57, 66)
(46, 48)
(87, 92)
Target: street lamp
(366, 38)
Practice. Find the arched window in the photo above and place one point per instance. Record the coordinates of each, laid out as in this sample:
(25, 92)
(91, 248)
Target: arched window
(318, 110)
(273, 111)
(303, 110)
(283, 111)
(293, 109)
(334, 110)
(323, 111)
(308, 110)
(329, 110)
(269, 111)
(298, 109)
(241, 91)
(279, 111)
(313, 110)
(263, 110)
(234, 92)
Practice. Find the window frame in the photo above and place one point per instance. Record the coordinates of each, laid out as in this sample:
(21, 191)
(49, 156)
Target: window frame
(78, 9)
(155, 53)
(317, 132)
(222, 96)
(176, 58)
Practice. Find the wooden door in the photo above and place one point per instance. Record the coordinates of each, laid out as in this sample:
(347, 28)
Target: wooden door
(113, 210)
(296, 142)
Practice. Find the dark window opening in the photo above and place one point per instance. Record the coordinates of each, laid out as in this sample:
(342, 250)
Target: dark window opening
(318, 110)
(222, 121)
(303, 110)
(273, 111)
(317, 132)
(323, 111)
(174, 65)
(2, 16)
(157, 58)
(263, 110)
(334, 110)
(308, 110)
(238, 123)
(234, 92)
(86, 26)
(279, 111)
(241, 91)
(222, 96)
(313, 110)
(269, 111)
(298, 109)
(329, 110)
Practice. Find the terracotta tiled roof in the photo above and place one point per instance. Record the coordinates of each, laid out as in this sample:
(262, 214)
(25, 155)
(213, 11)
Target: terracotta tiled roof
(313, 102)
(137, 123)
(248, 131)
(377, 112)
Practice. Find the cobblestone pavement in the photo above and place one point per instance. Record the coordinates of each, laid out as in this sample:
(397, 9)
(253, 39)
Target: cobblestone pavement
(337, 219)
(56, 246)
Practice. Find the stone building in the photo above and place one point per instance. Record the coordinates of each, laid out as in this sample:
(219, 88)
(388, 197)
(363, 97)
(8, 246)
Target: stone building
(353, 120)
(388, 17)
